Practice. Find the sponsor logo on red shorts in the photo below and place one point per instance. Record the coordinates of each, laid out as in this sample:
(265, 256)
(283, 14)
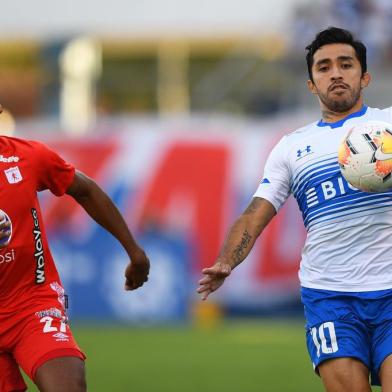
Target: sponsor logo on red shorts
(61, 337)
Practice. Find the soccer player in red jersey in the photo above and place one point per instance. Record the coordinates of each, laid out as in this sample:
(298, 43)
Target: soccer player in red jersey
(34, 333)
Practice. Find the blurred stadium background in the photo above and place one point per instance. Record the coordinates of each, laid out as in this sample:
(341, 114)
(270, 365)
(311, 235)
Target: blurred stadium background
(172, 106)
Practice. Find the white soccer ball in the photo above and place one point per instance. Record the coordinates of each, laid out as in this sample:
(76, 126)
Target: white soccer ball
(5, 240)
(365, 156)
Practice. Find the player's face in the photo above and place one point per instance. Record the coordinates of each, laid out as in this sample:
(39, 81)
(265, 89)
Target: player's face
(337, 78)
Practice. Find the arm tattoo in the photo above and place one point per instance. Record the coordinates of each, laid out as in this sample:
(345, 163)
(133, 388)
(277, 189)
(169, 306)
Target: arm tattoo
(238, 254)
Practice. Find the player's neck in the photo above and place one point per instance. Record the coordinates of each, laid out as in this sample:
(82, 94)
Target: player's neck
(330, 116)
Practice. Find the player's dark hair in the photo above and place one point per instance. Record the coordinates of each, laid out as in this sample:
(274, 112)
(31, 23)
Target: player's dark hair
(335, 35)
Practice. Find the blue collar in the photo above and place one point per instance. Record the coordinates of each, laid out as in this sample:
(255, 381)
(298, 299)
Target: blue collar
(339, 123)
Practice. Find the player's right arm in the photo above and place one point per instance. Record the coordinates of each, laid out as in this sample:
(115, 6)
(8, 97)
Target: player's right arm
(239, 242)
(101, 208)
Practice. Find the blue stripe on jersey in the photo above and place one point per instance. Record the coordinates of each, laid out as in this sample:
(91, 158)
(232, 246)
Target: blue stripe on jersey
(367, 211)
(323, 194)
(314, 180)
(354, 207)
(313, 165)
(344, 201)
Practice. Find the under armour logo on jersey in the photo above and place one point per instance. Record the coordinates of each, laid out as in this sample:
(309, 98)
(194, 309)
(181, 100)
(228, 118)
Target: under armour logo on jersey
(13, 175)
(306, 151)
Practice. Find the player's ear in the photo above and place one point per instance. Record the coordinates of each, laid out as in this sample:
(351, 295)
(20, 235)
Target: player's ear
(311, 87)
(365, 79)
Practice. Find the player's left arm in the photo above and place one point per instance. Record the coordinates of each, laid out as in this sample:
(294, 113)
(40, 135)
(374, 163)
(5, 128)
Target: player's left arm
(102, 209)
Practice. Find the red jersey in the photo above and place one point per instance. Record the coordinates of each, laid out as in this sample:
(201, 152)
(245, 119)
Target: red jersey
(27, 269)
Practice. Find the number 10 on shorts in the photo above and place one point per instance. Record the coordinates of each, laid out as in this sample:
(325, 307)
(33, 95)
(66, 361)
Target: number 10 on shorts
(323, 343)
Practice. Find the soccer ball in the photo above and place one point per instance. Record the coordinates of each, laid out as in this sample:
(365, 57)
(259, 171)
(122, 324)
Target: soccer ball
(5, 240)
(365, 156)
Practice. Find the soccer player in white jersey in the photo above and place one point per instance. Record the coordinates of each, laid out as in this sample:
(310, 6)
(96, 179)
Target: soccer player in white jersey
(346, 267)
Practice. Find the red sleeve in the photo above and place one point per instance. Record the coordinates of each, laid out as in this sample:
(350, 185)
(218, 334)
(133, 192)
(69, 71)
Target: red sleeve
(53, 172)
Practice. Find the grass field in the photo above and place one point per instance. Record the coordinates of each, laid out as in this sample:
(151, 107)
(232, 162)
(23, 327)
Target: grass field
(248, 357)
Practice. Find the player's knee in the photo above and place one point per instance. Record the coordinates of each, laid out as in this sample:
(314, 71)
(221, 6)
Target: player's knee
(77, 382)
(62, 375)
(74, 383)
(345, 374)
(79, 385)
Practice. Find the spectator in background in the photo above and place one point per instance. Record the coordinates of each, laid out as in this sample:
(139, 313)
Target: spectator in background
(369, 20)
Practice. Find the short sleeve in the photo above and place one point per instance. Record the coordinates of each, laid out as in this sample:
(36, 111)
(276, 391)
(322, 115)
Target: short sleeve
(53, 172)
(275, 185)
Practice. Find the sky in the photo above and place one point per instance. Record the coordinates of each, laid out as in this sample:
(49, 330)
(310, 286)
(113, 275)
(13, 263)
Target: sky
(47, 18)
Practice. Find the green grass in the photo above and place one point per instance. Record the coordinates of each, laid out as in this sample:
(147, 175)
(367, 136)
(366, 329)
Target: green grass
(247, 357)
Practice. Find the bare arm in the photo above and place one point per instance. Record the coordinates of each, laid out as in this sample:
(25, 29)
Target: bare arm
(239, 242)
(245, 231)
(102, 209)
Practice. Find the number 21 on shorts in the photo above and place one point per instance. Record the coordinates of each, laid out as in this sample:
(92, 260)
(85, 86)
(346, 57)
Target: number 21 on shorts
(48, 325)
(324, 343)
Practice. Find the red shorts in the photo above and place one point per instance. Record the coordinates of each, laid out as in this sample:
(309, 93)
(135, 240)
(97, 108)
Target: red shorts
(29, 339)
(11, 379)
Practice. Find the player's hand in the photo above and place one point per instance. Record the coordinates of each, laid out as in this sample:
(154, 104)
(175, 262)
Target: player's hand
(213, 278)
(137, 270)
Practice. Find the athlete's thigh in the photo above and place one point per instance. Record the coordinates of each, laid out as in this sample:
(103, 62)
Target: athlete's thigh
(385, 374)
(381, 352)
(10, 376)
(44, 336)
(63, 374)
(344, 375)
(335, 331)
(340, 354)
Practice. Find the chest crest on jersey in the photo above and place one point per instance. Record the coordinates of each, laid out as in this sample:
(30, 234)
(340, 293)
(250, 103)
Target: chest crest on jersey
(13, 175)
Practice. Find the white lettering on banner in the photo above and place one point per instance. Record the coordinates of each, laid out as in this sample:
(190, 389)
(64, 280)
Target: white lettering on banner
(328, 190)
(352, 187)
(341, 186)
